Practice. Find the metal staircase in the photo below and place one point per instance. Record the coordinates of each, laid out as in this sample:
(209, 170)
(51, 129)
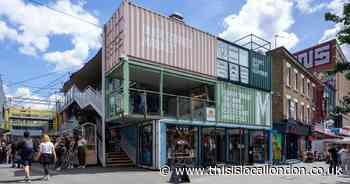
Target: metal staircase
(88, 96)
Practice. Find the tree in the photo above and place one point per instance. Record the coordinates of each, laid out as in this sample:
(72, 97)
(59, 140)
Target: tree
(343, 36)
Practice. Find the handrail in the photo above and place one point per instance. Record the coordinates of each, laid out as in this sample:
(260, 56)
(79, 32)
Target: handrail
(168, 94)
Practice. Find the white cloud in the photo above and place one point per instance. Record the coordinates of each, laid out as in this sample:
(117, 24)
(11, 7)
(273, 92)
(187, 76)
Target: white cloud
(336, 7)
(265, 19)
(31, 100)
(35, 25)
(7, 32)
(307, 6)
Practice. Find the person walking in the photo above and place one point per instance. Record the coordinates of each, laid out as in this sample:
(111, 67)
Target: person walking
(26, 149)
(333, 160)
(82, 152)
(47, 155)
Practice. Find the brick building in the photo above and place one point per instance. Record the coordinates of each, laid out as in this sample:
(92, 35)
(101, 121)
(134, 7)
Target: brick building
(295, 93)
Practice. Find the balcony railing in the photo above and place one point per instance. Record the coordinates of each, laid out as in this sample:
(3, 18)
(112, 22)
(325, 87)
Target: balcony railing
(148, 103)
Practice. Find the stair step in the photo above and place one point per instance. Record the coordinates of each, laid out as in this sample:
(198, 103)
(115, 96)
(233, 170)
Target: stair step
(121, 165)
(119, 161)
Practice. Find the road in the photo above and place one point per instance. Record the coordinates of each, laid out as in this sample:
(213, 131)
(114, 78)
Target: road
(97, 175)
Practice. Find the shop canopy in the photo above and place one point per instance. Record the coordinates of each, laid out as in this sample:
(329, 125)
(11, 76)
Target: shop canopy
(323, 133)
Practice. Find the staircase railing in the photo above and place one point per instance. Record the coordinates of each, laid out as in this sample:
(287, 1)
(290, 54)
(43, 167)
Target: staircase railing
(89, 96)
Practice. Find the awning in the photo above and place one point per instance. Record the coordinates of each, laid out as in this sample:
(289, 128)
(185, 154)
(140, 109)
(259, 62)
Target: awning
(341, 131)
(324, 133)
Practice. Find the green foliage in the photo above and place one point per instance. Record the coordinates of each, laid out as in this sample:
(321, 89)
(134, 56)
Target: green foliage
(343, 35)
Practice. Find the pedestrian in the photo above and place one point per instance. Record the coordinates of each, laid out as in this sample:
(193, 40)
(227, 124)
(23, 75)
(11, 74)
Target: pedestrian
(333, 160)
(343, 153)
(26, 148)
(61, 154)
(82, 152)
(47, 155)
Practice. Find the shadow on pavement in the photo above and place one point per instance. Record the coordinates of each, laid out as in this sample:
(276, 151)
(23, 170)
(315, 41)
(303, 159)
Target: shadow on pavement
(89, 170)
(21, 180)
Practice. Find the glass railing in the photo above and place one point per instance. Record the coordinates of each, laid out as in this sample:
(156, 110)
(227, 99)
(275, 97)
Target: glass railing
(147, 103)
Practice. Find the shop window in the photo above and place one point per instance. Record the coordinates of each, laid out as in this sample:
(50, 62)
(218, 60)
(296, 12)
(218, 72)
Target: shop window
(258, 147)
(181, 144)
(236, 146)
(213, 146)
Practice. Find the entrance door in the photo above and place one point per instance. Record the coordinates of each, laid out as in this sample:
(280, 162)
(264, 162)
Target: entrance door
(292, 146)
(213, 147)
(89, 134)
(235, 146)
(146, 144)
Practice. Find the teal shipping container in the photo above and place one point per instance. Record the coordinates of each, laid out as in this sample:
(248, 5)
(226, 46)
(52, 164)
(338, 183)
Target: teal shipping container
(243, 106)
(260, 71)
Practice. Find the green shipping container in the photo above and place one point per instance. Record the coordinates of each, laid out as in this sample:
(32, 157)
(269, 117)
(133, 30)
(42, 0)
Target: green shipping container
(241, 105)
(260, 71)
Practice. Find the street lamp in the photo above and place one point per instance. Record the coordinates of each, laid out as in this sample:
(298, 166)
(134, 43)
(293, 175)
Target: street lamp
(278, 35)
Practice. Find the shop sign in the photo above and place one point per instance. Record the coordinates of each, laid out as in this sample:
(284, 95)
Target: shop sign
(243, 105)
(232, 62)
(222, 70)
(210, 114)
(316, 56)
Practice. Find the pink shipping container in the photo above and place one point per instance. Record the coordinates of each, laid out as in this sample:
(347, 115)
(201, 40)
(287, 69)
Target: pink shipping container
(154, 38)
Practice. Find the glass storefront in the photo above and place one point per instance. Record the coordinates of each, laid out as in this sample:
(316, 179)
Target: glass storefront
(258, 146)
(213, 146)
(181, 144)
(146, 144)
(236, 146)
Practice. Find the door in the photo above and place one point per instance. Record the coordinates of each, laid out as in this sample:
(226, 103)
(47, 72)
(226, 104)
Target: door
(213, 146)
(146, 144)
(89, 134)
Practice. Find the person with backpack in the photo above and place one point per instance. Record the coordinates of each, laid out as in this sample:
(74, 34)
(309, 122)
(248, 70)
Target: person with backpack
(26, 147)
(47, 155)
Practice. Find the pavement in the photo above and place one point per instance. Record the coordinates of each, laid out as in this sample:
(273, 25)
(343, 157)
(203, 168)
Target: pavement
(98, 175)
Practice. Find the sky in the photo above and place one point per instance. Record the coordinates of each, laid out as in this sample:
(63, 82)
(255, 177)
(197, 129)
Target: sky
(35, 40)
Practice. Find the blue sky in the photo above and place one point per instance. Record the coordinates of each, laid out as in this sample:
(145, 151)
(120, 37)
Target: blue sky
(35, 40)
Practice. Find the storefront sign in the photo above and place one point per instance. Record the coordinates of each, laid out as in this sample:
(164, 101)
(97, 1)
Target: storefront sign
(243, 105)
(234, 72)
(316, 56)
(222, 70)
(236, 66)
(210, 114)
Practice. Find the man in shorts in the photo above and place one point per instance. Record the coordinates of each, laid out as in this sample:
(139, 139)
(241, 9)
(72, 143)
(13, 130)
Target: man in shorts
(27, 151)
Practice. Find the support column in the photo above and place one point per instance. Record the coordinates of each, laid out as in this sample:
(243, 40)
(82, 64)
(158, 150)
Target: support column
(270, 156)
(161, 92)
(125, 85)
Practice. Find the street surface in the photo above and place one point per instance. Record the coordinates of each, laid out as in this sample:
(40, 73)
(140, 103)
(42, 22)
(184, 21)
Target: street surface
(140, 176)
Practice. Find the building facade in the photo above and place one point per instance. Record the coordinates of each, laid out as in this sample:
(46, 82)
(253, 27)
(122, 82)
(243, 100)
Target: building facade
(36, 122)
(322, 58)
(173, 92)
(81, 111)
(297, 95)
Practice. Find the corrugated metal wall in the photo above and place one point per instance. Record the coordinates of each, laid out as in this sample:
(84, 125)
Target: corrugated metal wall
(160, 39)
(260, 71)
(241, 105)
(114, 38)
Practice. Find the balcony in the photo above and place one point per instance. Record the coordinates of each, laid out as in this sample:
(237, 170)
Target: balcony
(152, 94)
